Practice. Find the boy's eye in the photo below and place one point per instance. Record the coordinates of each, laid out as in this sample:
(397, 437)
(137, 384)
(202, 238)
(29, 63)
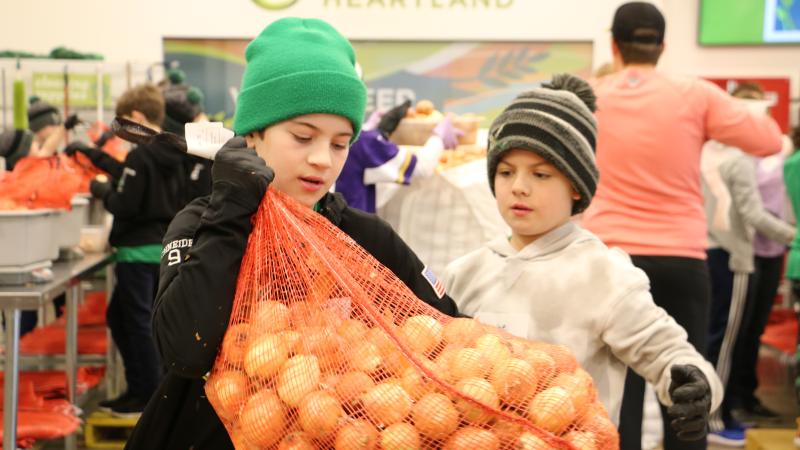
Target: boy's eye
(541, 175)
(301, 139)
(339, 146)
(504, 173)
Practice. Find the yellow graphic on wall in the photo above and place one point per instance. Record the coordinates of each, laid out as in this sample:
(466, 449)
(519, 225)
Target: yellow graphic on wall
(274, 4)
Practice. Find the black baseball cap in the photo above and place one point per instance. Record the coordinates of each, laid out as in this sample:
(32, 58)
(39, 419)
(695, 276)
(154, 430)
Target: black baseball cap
(638, 22)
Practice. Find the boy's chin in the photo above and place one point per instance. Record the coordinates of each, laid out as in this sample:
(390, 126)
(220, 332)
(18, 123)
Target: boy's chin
(310, 199)
(302, 196)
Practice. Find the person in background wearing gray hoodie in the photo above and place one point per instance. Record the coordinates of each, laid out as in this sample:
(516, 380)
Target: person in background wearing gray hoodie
(734, 211)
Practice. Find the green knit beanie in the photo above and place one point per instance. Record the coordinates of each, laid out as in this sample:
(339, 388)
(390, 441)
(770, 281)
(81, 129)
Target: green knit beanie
(297, 67)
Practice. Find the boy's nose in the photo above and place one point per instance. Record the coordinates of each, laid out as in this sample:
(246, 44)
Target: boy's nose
(519, 187)
(320, 155)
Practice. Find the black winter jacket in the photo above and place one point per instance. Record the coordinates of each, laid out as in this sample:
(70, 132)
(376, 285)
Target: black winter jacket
(203, 249)
(149, 193)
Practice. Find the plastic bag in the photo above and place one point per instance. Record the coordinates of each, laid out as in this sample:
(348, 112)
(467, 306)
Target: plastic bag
(42, 183)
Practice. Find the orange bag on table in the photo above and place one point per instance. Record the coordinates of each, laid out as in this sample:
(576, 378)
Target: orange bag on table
(41, 183)
(327, 347)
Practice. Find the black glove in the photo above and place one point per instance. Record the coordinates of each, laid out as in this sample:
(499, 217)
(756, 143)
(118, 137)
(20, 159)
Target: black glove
(691, 396)
(392, 118)
(71, 121)
(99, 189)
(104, 138)
(242, 170)
(77, 146)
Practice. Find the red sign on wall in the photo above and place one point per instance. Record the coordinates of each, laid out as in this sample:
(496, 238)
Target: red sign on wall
(775, 89)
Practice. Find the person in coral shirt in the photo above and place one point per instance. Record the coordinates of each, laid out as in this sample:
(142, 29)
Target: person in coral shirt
(649, 201)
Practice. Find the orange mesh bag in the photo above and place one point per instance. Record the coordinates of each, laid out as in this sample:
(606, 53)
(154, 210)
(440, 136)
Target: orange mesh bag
(327, 348)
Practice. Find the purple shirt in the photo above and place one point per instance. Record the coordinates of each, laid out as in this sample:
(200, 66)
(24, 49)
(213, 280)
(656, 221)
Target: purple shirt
(773, 195)
(382, 160)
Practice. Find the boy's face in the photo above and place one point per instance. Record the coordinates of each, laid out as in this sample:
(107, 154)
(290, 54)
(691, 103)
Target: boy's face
(307, 154)
(532, 195)
(45, 132)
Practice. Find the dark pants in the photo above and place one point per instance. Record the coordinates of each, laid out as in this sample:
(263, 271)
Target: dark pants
(28, 319)
(729, 301)
(27, 322)
(129, 318)
(760, 297)
(681, 287)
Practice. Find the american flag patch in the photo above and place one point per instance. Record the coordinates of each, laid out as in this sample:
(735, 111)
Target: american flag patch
(435, 283)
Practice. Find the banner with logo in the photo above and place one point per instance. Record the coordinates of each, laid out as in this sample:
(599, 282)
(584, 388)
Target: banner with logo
(49, 86)
(462, 77)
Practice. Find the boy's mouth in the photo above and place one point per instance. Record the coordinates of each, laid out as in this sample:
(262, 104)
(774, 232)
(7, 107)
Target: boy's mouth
(312, 183)
(520, 210)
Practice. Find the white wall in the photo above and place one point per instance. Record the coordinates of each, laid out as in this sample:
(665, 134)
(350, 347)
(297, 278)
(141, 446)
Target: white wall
(684, 55)
(133, 30)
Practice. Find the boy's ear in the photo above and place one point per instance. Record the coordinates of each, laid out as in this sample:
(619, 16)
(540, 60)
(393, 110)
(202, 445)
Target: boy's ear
(253, 137)
(576, 195)
(138, 117)
(250, 139)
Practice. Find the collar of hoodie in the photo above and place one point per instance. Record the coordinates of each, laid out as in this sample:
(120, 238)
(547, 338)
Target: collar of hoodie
(549, 243)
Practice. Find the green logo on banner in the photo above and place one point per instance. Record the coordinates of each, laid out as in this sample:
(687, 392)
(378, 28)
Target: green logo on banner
(49, 86)
(274, 4)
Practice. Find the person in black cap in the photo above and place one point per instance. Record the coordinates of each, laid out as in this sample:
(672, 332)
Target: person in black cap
(638, 32)
(649, 200)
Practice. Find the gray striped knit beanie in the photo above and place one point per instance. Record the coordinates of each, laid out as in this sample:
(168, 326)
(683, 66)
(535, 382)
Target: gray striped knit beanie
(41, 114)
(554, 121)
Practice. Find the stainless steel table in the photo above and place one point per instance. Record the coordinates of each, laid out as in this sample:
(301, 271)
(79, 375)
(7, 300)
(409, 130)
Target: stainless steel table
(14, 299)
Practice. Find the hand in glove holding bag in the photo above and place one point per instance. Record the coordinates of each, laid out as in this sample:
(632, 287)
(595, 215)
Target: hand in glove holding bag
(72, 121)
(392, 118)
(100, 187)
(448, 133)
(78, 146)
(691, 396)
(240, 172)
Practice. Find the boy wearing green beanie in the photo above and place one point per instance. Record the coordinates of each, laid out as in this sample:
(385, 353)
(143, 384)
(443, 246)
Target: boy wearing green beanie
(300, 106)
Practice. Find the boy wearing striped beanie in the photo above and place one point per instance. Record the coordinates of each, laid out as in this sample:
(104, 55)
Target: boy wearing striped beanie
(553, 281)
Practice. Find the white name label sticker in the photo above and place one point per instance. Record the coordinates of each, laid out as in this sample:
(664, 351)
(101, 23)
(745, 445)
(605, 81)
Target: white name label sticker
(204, 139)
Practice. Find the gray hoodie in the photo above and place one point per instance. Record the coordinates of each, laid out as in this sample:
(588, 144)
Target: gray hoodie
(568, 288)
(735, 172)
